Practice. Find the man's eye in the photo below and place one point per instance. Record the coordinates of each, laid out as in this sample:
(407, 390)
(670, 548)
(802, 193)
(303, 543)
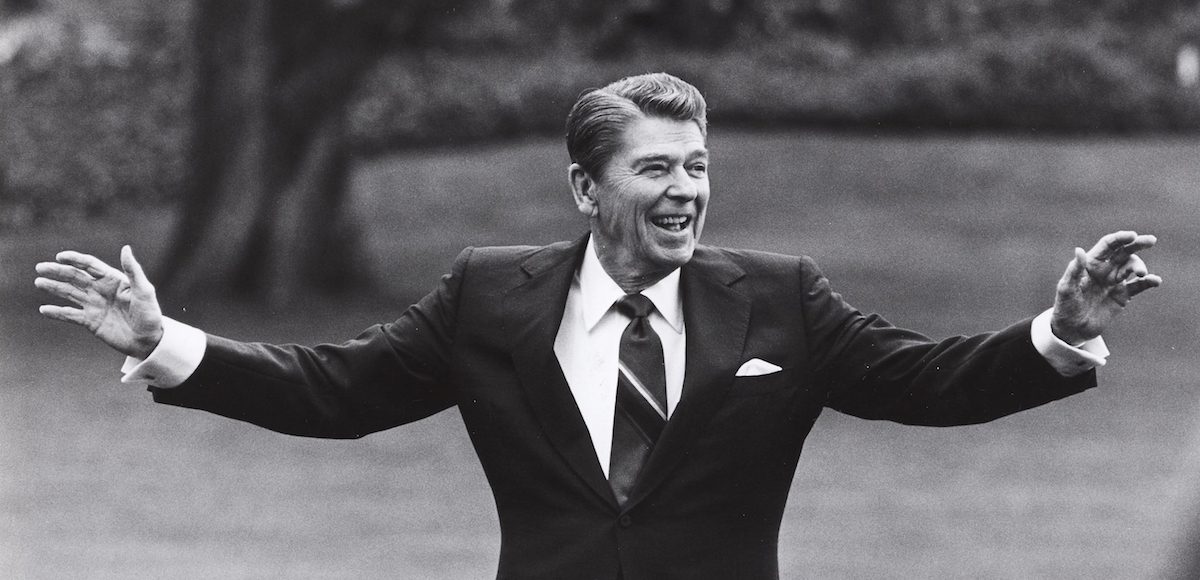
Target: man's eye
(655, 168)
(699, 168)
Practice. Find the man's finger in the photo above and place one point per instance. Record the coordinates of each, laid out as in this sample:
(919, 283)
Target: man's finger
(1134, 267)
(62, 290)
(1143, 242)
(1111, 243)
(88, 263)
(1139, 285)
(65, 273)
(1139, 243)
(1077, 269)
(137, 276)
(63, 313)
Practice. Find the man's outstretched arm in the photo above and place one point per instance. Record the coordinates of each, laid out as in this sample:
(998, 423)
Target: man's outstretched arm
(389, 375)
(878, 371)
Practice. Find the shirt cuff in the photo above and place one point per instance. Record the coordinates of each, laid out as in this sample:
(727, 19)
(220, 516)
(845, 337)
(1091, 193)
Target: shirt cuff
(175, 358)
(1068, 360)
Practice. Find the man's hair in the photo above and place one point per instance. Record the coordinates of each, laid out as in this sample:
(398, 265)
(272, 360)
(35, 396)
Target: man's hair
(595, 123)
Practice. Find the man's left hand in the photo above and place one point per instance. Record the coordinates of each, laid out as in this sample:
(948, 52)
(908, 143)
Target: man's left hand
(1098, 284)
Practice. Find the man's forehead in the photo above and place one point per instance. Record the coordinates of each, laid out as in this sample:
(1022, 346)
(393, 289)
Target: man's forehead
(659, 136)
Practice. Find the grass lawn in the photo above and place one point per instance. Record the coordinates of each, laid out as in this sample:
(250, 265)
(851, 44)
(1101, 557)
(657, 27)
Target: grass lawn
(945, 235)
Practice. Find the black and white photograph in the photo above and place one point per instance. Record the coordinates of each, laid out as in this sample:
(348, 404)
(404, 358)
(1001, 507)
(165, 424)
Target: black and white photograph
(630, 290)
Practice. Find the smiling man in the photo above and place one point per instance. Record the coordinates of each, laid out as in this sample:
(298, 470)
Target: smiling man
(646, 199)
(638, 401)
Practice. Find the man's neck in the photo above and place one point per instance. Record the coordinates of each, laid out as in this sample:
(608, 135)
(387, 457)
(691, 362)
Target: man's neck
(638, 283)
(598, 291)
(630, 280)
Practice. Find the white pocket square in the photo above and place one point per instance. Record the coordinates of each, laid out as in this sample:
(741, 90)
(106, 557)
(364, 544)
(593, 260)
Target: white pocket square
(757, 367)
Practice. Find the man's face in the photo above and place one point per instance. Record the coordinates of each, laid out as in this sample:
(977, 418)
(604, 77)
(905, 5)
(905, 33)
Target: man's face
(647, 205)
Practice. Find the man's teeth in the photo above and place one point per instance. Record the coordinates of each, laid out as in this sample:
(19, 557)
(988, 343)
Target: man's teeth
(674, 223)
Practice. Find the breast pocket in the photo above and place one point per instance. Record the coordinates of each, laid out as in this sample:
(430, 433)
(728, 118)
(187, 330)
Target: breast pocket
(762, 384)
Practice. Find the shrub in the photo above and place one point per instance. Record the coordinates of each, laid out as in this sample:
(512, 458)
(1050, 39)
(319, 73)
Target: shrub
(95, 107)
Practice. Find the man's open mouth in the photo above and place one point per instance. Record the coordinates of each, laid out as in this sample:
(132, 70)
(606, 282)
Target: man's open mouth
(673, 223)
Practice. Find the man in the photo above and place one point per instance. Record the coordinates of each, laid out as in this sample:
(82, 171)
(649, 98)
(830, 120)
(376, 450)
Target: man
(638, 401)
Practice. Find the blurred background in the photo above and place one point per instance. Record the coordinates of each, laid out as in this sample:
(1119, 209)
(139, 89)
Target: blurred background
(296, 171)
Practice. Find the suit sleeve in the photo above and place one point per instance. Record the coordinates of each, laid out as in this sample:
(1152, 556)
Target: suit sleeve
(389, 375)
(873, 370)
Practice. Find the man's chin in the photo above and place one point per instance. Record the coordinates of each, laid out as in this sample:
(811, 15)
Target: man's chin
(671, 258)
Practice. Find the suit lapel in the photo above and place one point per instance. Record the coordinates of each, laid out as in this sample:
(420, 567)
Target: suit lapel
(537, 309)
(715, 314)
(716, 318)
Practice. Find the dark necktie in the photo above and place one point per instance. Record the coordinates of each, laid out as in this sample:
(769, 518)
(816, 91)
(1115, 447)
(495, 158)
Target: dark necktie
(641, 408)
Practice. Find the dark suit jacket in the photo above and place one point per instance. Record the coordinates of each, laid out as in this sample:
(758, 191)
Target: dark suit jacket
(709, 501)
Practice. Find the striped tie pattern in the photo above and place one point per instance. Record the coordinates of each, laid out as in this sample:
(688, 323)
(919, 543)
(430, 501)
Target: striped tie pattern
(641, 407)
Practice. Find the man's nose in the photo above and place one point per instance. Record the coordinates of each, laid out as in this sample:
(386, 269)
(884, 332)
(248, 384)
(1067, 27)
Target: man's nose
(683, 187)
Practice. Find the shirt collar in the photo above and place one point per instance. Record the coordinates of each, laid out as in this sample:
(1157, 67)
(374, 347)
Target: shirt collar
(598, 292)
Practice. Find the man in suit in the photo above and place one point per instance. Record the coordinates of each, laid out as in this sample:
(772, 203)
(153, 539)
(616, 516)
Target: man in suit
(638, 402)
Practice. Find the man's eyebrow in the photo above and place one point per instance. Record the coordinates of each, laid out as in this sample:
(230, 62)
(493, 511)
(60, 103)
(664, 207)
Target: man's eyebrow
(665, 158)
(653, 157)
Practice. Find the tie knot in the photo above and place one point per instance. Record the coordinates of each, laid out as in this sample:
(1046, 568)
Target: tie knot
(635, 306)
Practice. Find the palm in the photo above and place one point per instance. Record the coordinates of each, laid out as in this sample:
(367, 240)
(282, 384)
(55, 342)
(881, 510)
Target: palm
(117, 317)
(1098, 284)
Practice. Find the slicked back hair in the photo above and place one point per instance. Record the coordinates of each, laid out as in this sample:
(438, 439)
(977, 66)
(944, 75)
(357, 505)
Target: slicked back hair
(595, 123)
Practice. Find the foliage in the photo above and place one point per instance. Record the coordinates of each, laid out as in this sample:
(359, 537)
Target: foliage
(95, 95)
(90, 113)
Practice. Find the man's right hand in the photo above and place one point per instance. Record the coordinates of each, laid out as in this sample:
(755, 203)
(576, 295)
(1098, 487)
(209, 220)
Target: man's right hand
(119, 307)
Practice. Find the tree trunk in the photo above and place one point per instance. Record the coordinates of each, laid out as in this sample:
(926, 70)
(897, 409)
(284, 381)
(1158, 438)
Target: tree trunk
(264, 216)
(228, 149)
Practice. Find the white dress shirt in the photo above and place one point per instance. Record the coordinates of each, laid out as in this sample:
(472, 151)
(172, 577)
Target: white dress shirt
(589, 339)
(587, 344)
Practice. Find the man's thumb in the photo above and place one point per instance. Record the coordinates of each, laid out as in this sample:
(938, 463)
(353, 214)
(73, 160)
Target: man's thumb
(137, 276)
(1077, 269)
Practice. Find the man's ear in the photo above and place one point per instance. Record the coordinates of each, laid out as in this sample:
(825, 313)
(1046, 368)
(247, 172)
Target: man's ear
(583, 187)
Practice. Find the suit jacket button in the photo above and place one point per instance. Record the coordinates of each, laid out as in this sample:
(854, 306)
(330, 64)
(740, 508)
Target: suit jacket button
(625, 521)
